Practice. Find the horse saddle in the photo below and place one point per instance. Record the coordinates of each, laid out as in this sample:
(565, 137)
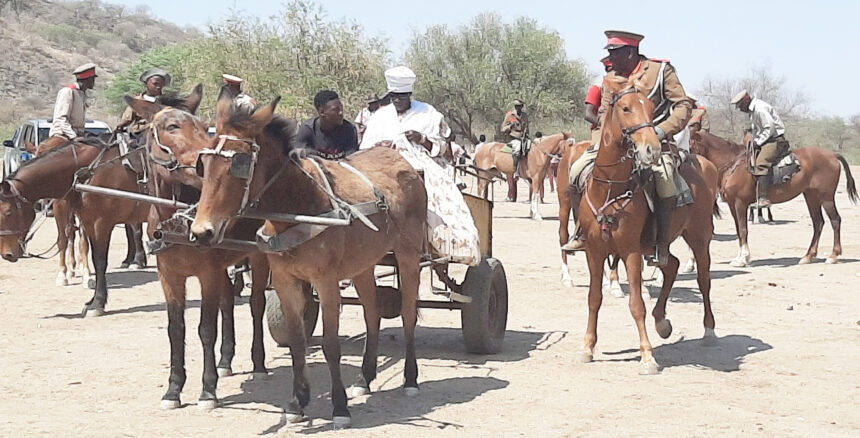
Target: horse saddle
(132, 162)
(785, 168)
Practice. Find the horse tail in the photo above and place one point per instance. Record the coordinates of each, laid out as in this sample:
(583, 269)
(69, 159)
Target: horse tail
(717, 212)
(852, 186)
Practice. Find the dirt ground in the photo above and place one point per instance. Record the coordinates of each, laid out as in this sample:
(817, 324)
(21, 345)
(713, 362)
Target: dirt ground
(787, 362)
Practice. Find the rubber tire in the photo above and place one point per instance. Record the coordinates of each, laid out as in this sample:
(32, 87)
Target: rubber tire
(484, 319)
(275, 316)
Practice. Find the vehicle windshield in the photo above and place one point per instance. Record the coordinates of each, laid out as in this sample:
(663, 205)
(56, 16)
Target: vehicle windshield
(43, 134)
(97, 131)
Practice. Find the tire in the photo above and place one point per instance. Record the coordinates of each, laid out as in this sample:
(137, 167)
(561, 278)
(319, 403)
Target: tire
(275, 316)
(484, 319)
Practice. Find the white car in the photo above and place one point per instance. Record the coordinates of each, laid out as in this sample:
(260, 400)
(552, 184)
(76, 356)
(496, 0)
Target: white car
(36, 131)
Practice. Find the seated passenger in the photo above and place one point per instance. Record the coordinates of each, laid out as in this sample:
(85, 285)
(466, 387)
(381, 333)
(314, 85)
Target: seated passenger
(328, 134)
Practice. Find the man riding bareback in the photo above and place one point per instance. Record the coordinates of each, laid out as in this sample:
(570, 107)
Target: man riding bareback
(516, 129)
(768, 140)
(656, 79)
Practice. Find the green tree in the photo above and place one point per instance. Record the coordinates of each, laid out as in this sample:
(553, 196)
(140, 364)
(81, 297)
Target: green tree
(295, 54)
(472, 73)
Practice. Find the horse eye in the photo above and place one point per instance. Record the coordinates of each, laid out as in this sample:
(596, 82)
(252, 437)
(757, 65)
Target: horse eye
(172, 127)
(626, 110)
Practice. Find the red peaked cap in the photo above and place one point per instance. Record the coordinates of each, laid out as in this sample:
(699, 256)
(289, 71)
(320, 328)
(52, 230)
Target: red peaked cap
(620, 38)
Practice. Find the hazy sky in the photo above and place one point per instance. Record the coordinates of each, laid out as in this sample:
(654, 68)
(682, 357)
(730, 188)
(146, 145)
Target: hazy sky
(799, 40)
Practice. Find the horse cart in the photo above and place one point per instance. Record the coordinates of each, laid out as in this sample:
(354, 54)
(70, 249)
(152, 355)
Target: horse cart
(481, 297)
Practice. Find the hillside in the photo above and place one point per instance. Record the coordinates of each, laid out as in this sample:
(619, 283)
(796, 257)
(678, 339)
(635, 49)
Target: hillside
(48, 39)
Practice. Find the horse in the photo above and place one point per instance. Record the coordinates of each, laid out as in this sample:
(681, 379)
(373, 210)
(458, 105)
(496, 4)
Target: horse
(174, 140)
(65, 211)
(491, 160)
(817, 180)
(286, 183)
(615, 226)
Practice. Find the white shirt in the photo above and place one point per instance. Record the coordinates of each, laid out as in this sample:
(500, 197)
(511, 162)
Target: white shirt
(386, 124)
(69, 112)
(765, 122)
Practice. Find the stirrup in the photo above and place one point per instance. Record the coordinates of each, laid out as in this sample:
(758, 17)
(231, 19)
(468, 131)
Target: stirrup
(574, 245)
(658, 259)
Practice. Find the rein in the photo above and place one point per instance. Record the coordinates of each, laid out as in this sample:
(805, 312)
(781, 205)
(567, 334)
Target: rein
(230, 153)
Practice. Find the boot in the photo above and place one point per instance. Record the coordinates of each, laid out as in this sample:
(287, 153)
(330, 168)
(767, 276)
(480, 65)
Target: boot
(663, 216)
(764, 182)
(516, 158)
(577, 241)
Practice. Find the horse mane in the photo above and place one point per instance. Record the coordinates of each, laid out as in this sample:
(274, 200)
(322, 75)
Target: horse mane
(282, 131)
(175, 101)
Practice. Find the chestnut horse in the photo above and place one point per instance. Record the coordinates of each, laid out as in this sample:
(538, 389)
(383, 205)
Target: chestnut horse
(817, 180)
(614, 213)
(285, 183)
(174, 140)
(491, 160)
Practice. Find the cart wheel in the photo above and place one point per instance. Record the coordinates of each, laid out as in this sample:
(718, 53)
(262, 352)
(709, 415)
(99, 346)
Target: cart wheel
(275, 316)
(485, 318)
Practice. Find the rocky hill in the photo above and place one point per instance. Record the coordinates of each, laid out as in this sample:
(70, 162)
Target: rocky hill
(45, 41)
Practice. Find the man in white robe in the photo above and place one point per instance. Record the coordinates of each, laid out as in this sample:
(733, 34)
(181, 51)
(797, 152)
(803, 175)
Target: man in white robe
(419, 133)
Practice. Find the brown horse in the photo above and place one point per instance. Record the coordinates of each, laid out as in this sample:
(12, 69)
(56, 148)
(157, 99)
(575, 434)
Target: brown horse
(175, 138)
(615, 211)
(296, 186)
(817, 180)
(536, 164)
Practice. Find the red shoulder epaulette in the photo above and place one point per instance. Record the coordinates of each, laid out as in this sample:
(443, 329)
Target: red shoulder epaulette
(73, 86)
(661, 60)
(701, 107)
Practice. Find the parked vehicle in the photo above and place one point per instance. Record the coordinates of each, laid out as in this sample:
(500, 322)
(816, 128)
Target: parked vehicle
(36, 131)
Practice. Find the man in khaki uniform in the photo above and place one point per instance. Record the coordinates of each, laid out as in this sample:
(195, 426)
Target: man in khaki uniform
(234, 83)
(154, 79)
(70, 109)
(656, 79)
(768, 140)
(516, 128)
(699, 120)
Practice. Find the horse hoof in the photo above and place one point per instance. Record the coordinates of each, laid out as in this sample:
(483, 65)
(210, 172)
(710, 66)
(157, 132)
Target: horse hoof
(62, 280)
(169, 405)
(410, 391)
(584, 357)
(225, 372)
(341, 422)
(509, 199)
(739, 263)
(664, 328)
(207, 405)
(831, 260)
(649, 368)
(124, 265)
(259, 376)
(537, 218)
(567, 282)
(710, 338)
(616, 291)
(358, 391)
(805, 260)
(133, 266)
(689, 268)
(90, 283)
(295, 418)
(94, 313)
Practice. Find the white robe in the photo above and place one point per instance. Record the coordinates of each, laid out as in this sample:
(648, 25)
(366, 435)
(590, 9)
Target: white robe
(451, 228)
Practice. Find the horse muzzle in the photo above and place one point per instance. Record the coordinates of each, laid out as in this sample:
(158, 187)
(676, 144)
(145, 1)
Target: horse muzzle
(648, 155)
(207, 234)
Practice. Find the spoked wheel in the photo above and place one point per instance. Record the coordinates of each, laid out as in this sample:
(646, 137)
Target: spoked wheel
(485, 318)
(277, 323)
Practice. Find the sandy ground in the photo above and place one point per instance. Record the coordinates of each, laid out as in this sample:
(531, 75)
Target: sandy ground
(787, 364)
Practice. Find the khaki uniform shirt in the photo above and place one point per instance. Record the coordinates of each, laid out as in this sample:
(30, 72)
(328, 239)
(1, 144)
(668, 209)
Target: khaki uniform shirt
(657, 80)
(69, 113)
(515, 125)
(244, 100)
(700, 116)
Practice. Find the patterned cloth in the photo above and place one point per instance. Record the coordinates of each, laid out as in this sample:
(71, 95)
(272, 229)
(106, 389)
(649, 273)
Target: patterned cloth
(451, 228)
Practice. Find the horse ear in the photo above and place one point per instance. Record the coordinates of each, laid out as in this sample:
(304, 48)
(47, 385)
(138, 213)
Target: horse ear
(5, 189)
(263, 115)
(224, 104)
(192, 102)
(145, 108)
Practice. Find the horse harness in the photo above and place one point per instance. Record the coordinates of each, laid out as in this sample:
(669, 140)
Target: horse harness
(609, 221)
(242, 166)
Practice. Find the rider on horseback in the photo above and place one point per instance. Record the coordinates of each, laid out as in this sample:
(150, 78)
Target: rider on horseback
(516, 130)
(656, 79)
(154, 79)
(71, 106)
(768, 140)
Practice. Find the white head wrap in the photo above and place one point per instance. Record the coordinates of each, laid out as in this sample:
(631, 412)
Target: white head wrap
(400, 79)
